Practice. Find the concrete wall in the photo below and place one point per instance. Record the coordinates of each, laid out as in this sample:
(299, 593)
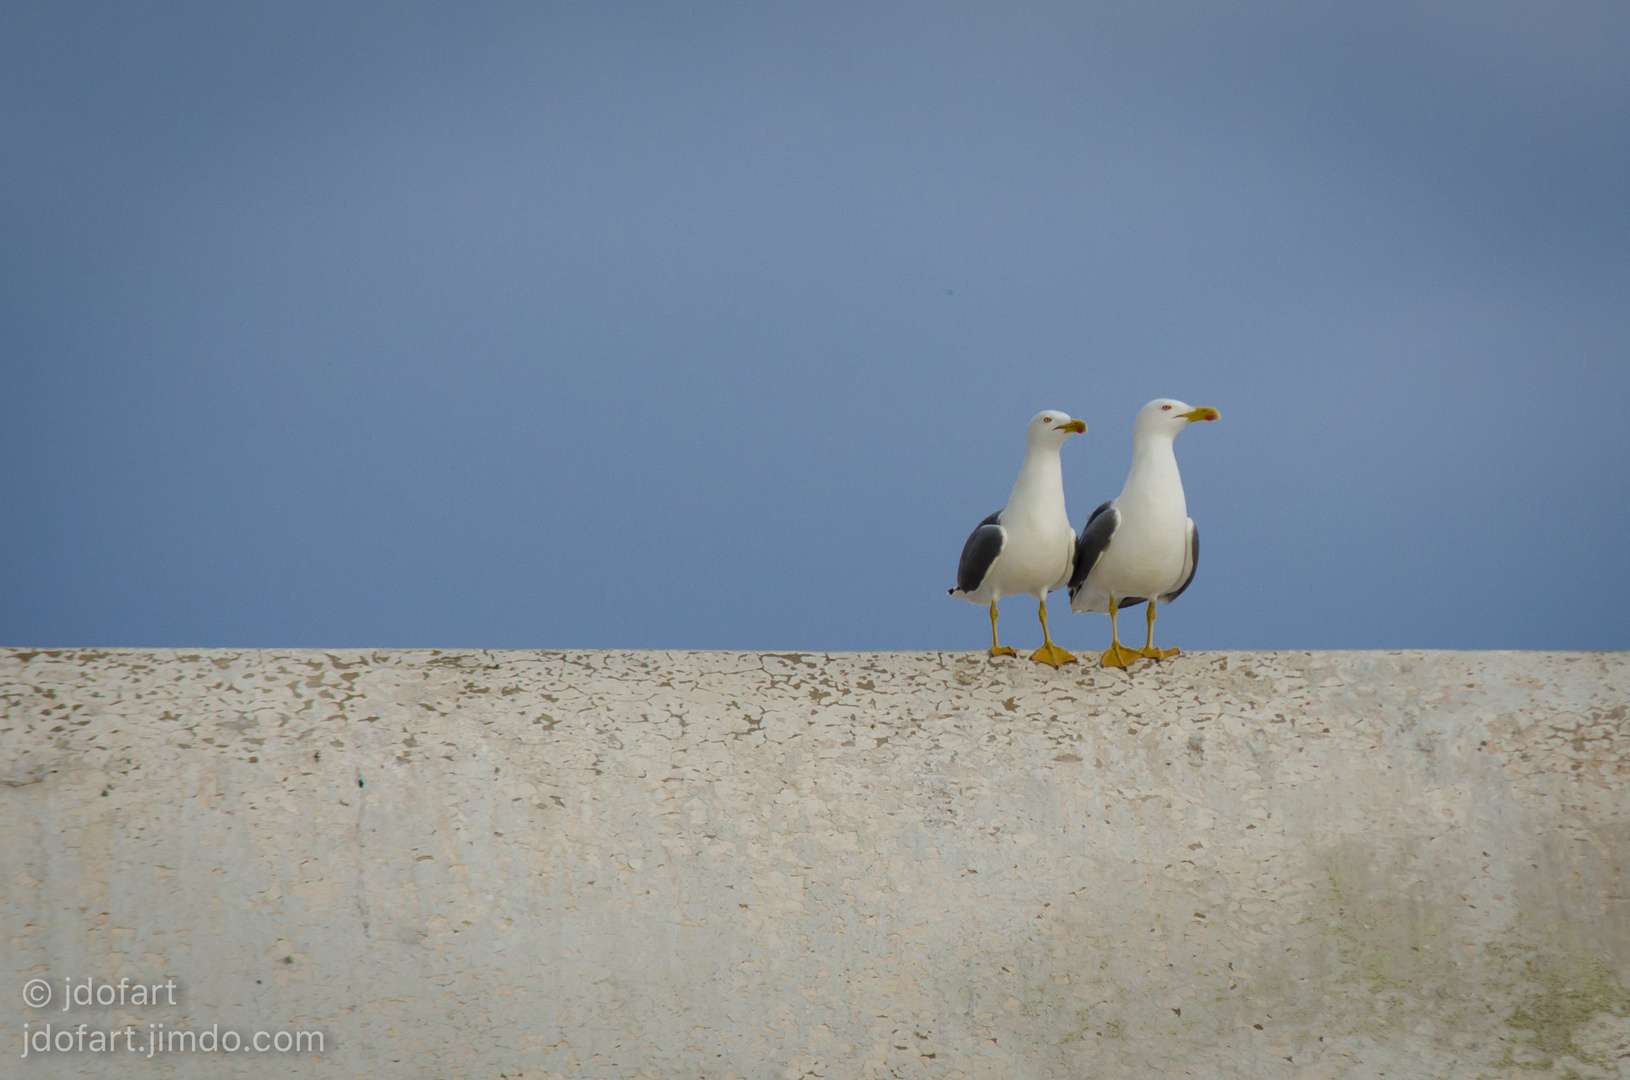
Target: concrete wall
(686, 865)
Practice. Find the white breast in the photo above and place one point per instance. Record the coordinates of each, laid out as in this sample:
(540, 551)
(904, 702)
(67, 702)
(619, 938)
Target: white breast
(1149, 552)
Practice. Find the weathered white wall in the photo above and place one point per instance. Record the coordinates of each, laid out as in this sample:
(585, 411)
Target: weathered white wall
(686, 865)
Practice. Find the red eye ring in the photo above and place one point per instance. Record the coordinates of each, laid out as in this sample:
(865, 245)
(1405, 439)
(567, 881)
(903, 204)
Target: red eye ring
(1167, 408)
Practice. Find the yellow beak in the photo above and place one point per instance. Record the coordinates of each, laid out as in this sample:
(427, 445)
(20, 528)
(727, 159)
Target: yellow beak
(1202, 413)
(1077, 426)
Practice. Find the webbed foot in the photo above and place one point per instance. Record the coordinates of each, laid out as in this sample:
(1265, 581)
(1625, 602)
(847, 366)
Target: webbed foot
(1052, 654)
(1120, 656)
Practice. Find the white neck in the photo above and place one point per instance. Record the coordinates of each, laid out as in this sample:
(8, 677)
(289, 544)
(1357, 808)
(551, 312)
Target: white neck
(1153, 480)
(1040, 486)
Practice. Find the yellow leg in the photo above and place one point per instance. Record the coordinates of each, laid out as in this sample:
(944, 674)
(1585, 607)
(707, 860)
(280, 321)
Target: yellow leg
(996, 647)
(1050, 653)
(1149, 649)
(1118, 655)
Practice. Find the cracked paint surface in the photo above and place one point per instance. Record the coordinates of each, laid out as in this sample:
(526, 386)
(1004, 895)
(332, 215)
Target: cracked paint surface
(689, 865)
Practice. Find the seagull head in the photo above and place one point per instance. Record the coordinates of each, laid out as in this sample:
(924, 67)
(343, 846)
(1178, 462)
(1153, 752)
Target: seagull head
(1168, 416)
(1051, 427)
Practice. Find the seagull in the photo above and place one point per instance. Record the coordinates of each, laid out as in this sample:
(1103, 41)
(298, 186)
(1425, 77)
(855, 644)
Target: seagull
(1141, 545)
(1028, 546)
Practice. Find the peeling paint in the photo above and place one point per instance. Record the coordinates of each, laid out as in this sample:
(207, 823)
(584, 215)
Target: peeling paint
(676, 864)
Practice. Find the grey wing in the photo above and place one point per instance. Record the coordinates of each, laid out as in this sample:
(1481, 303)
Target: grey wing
(1193, 562)
(984, 544)
(1094, 540)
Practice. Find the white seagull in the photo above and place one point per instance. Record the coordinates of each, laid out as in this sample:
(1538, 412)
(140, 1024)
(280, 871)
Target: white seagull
(1141, 545)
(1028, 546)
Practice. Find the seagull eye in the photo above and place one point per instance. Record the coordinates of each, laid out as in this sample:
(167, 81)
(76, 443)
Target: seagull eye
(1166, 408)
(1047, 419)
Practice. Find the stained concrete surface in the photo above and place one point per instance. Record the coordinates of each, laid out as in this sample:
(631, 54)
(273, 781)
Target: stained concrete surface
(688, 865)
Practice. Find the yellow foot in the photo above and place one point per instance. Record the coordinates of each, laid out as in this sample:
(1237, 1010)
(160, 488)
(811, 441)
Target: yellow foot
(1003, 650)
(1157, 654)
(1120, 656)
(1052, 654)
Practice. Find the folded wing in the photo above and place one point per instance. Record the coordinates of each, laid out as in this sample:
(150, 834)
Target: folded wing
(1191, 564)
(1094, 542)
(984, 544)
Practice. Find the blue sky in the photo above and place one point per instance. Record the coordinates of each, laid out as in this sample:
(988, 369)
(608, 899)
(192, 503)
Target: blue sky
(718, 326)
